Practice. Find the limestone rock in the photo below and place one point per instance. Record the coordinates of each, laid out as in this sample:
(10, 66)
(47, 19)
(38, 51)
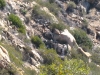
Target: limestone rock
(36, 56)
(4, 57)
(14, 40)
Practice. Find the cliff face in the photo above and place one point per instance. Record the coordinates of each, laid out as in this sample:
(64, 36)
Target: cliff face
(29, 26)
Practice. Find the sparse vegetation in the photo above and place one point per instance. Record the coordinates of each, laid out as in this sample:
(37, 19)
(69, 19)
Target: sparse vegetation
(55, 66)
(50, 4)
(17, 22)
(58, 26)
(2, 4)
(52, 7)
(38, 12)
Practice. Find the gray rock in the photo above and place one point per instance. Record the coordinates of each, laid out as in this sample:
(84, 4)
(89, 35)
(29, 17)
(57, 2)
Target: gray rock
(4, 57)
(98, 5)
(84, 6)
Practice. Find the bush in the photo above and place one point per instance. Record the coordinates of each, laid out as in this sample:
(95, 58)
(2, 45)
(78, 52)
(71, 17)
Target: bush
(2, 4)
(17, 22)
(58, 26)
(67, 67)
(71, 5)
(82, 39)
(37, 41)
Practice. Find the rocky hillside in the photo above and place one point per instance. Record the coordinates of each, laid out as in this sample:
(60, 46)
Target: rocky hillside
(49, 37)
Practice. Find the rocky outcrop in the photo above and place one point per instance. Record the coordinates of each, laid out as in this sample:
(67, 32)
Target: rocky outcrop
(14, 40)
(4, 57)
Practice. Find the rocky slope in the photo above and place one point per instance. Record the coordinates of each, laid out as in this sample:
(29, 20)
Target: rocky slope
(26, 26)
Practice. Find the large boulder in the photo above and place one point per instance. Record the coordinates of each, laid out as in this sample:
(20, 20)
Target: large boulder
(65, 38)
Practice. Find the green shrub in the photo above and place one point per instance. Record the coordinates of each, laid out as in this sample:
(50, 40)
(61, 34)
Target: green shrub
(17, 22)
(49, 56)
(53, 65)
(67, 67)
(82, 39)
(71, 5)
(22, 29)
(2, 4)
(58, 26)
(37, 41)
